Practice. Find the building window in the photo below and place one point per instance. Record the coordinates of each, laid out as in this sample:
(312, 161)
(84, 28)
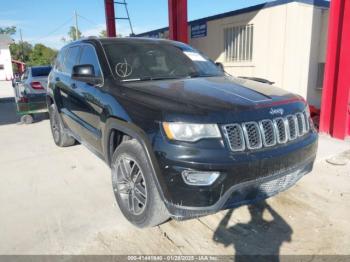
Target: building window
(2, 67)
(320, 75)
(239, 43)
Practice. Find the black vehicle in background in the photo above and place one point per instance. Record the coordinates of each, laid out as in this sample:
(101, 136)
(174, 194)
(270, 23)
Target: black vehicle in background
(182, 139)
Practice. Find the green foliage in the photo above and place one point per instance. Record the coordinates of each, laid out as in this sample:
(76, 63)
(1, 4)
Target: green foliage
(21, 51)
(32, 56)
(9, 30)
(103, 33)
(72, 34)
(42, 55)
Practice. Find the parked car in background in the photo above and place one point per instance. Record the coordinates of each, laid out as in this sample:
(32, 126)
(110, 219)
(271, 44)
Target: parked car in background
(182, 138)
(30, 92)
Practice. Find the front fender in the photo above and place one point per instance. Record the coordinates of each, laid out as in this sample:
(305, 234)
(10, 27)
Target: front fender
(137, 133)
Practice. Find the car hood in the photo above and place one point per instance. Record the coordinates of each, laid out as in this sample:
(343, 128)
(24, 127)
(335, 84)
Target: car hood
(206, 93)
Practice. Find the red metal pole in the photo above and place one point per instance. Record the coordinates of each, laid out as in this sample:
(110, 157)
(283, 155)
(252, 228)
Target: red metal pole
(335, 98)
(21, 68)
(342, 105)
(110, 18)
(331, 69)
(172, 19)
(178, 26)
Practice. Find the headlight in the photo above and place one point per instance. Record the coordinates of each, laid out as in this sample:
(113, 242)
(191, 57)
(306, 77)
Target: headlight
(190, 132)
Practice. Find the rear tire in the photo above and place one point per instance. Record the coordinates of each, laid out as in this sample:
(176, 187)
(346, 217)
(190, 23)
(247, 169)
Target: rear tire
(134, 187)
(60, 136)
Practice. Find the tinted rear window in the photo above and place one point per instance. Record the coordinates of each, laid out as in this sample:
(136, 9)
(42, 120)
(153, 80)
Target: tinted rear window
(41, 71)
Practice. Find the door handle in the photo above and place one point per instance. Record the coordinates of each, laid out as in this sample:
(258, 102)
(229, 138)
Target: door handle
(74, 86)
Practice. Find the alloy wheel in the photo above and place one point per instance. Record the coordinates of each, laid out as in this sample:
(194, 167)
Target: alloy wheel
(55, 127)
(129, 183)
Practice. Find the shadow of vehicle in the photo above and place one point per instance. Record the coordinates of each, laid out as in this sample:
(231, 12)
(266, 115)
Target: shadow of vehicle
(257, 240)
(8, 114)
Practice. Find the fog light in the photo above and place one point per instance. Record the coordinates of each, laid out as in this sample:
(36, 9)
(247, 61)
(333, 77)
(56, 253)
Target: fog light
(199, 178)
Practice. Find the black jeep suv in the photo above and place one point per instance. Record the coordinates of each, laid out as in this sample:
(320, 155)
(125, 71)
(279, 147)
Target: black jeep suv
(182, 138)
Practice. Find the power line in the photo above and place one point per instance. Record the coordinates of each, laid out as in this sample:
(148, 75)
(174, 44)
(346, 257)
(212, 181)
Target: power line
(56, 29)
(88, 20)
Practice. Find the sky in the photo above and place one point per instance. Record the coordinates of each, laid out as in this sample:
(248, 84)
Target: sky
(48, 21)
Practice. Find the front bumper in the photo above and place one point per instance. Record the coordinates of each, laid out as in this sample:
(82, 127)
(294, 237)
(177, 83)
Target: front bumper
(245, 178)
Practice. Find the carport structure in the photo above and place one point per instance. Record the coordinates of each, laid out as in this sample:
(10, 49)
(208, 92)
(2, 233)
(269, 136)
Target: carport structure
(335, 108)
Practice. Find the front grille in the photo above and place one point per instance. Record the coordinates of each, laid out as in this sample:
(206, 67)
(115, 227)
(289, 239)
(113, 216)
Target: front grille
(265, 188)
(266, 133)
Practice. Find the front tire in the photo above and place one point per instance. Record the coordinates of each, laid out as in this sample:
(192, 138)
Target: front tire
(134, 187)
(61, 138)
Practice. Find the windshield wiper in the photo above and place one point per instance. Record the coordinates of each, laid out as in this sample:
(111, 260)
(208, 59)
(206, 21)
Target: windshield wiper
(131, 80)
(164, 78)
(149, 78)
(194, 75)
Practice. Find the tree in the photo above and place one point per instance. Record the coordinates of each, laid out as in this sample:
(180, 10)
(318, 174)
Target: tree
(32, 56)
(73, 35)
(21, 51)
(9, 30)
(42, 55)
(103, 33)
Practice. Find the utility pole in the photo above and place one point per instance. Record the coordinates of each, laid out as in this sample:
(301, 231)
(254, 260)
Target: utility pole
(76, 25)
(21, 44)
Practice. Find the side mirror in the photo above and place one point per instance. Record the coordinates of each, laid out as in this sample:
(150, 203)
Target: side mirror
(220, 66)
(85, 73)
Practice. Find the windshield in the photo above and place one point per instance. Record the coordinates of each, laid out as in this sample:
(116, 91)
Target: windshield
(41, 71)
(154, 61)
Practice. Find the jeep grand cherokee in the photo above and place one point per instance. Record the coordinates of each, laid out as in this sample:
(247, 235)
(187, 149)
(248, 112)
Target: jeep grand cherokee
(182, 138)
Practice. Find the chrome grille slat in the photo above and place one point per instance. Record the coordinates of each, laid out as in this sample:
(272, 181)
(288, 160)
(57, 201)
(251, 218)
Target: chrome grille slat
(267, 132)
(252, 135)
(307, 123)
(301, 124)
(234, 135)
(293, 127)
(281, 130)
